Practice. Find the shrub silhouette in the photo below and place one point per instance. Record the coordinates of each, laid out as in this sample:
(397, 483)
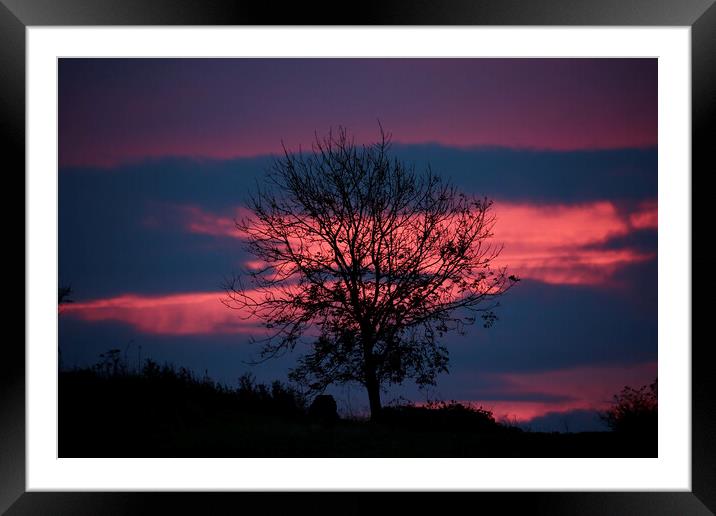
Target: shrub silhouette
(324, 409)
(111, 363)
(634, 411)
(276, 398)
(167, 392)
(165, 411)
(442, 415)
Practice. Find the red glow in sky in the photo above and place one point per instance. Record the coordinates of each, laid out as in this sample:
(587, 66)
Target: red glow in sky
(555, 244)
(172, 314)
(586, 387)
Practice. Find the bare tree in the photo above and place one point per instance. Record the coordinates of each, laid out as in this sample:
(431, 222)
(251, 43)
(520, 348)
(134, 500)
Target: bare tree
(368, 260)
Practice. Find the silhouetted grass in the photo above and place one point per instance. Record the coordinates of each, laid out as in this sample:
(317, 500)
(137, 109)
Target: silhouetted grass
(163, 411)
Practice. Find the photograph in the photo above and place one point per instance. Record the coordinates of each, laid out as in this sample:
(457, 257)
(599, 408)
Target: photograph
(358, 257)
(316, 257)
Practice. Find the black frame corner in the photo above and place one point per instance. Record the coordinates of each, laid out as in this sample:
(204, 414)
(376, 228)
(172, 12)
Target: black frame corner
(16, 15)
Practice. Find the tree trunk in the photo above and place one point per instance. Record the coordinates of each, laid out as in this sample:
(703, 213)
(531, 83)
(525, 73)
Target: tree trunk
(373, 387)
(369, 369)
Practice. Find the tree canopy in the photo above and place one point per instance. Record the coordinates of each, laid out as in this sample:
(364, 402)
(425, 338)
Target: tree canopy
(369, 261)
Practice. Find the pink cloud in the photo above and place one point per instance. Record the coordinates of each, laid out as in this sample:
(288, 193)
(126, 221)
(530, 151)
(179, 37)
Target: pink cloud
(196, 220)
(172, 314)
(646, 217)
(587, 387)
(558, 225)
(558, 244)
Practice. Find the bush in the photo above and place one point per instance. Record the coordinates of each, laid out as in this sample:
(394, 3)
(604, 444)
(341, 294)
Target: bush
(276, 398)
(324, 409)
(157, 390)
(634, 411)
(441, 415)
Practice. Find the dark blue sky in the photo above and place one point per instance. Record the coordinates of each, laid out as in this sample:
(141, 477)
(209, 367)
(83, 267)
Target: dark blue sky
(157, 156)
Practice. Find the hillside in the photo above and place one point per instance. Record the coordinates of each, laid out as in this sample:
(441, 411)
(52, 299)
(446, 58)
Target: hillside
(165, 412)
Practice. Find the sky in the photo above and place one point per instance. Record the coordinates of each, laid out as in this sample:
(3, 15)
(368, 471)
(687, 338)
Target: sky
(158, 156)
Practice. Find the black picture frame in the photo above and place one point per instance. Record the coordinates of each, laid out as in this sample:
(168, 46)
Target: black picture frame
(16, 15)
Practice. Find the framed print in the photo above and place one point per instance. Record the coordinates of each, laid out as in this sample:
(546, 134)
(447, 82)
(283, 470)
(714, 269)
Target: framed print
(420, 249)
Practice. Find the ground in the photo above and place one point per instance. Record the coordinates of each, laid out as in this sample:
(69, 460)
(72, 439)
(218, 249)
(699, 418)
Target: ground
(176, 415)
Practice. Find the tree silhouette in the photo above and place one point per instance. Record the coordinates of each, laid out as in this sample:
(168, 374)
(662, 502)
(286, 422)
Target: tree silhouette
(634, 411)
(369, 260)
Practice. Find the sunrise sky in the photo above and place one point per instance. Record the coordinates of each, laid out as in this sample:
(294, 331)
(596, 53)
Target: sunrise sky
(157, 156)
